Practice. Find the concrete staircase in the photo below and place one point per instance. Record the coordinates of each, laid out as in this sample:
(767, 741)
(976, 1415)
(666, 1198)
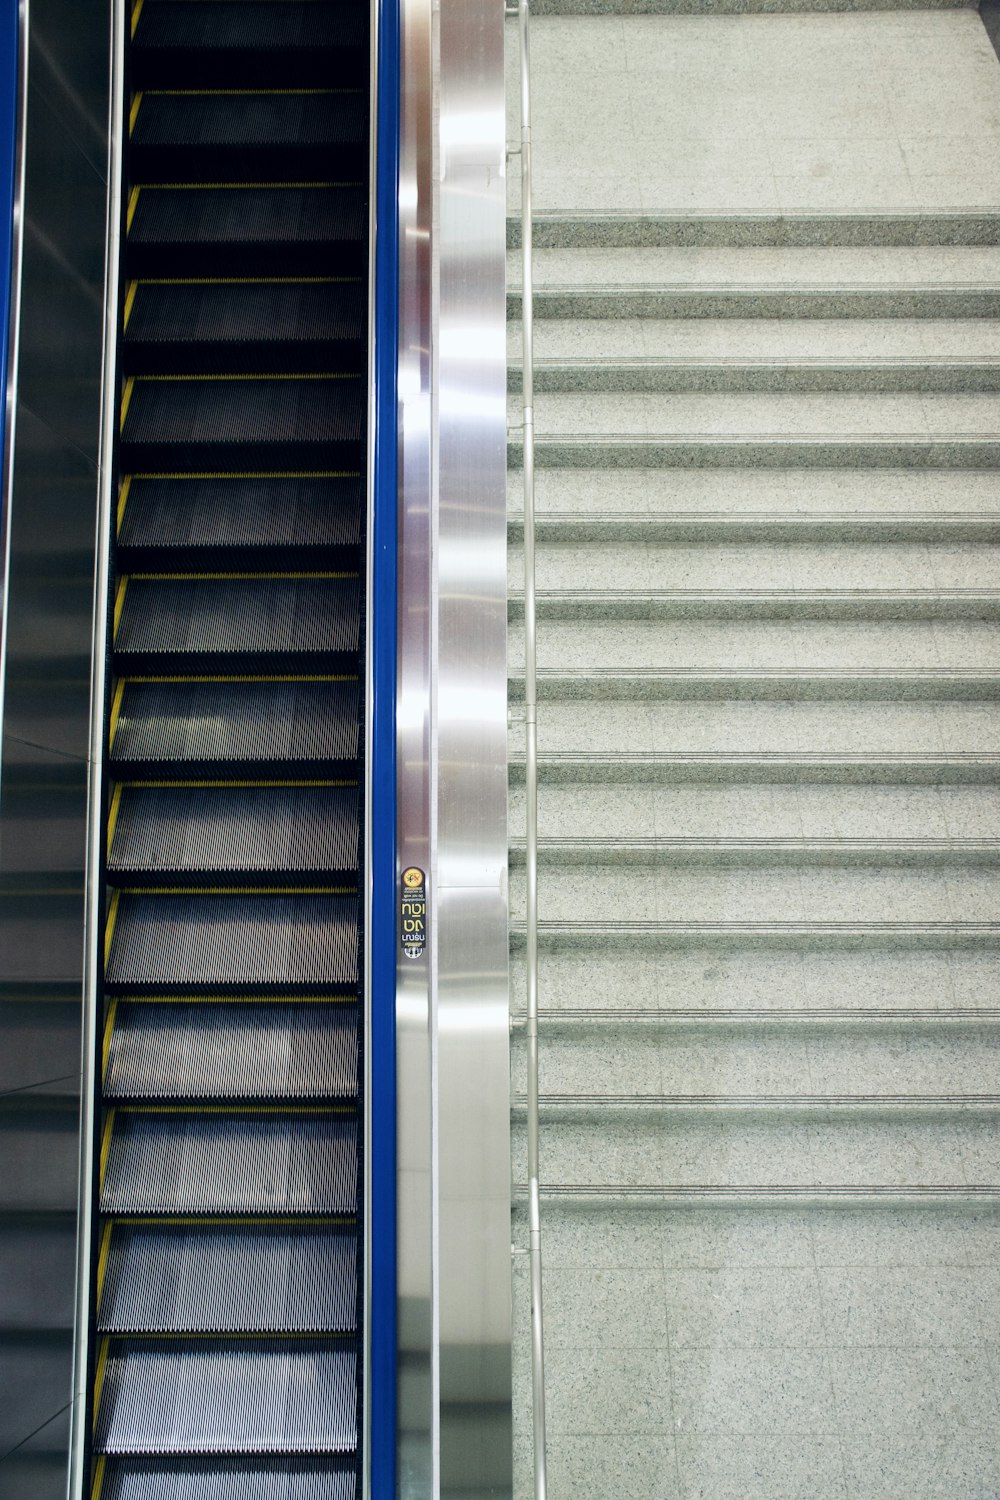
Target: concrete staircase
(769, 508)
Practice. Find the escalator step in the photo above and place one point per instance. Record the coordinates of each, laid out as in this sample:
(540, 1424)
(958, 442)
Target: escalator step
(268, 43)
(237, 728)
(230, 327)
(227, 1050)
(198, 523)
(263, 1164)
(167, 1280)
(163, 834)
(250, 944)
(248, 231)
(216, 425)
(239, 1479)
(197, 625)
(236, 1397)
(188, 137)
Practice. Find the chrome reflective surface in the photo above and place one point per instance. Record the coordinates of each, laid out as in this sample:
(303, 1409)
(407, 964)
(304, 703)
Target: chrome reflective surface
(56, 402)
(470, 706)
(415, 1053)
(452, 1001)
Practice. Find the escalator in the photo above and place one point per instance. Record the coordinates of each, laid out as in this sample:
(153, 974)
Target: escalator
(226, 1317)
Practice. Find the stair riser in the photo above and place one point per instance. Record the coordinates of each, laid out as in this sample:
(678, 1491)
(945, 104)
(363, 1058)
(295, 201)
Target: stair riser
(578, 231)
(752, 302)
(764, 378)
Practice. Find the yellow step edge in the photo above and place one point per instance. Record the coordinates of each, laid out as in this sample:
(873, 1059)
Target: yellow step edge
(109, 927)
(133, 199)
(339, 1000)
(136, 13)
(101, 1461)
(130, 291)
(116, 709)
(102, 1264)
(102, 1362)
(123, 498)
(231, 785)
(109, 1027)
(161, 187)
(262, 1221)
(249, 281)
(119, 602)
(255, 474)
(235, 375)
(109, 1125)
(238, 890)
(134, 111)
(116, 798)
(231, 1108)
(126, 401)
(241, 93)
(252, 677)
(241, 577)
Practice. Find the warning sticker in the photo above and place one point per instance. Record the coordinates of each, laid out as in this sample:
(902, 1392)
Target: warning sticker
(413, 912)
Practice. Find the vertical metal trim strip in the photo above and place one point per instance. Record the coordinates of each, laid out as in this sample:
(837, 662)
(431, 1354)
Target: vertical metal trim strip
(379, 1428)
(417, 1417)
(13, 324)
(94, 914)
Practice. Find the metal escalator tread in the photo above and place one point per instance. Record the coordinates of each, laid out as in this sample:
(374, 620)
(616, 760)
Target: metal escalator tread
(300, 42)
(186, 1280)
(291, 230)
(261, 1163)
(297, 520)
(213, 425)
(241, 1479)
(185, 136)
(198, 833)
(252, 944)
(280, 1397)
(167, 1050)
(229, 327)
(200, 624)
(238, 729)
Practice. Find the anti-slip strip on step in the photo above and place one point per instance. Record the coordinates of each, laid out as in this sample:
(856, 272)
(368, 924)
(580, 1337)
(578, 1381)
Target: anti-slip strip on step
(227, 1398)
(188, 1280)
(232, 1051)
(771, 1195)
(239, 1479)
(708, 300)
(199, 624)
(258, 944)
(839, 527)
(764, 451)
(198, 832)
(309, 519)
(288, 230)
(807, 937)
(915, 1020)
(777, 376)
(225, 327)
(736, 853)
(237, 729)
(174, 1163)
(760, 604)
(791, 227)
(829, 1106)
(878, 768)
(815, 685)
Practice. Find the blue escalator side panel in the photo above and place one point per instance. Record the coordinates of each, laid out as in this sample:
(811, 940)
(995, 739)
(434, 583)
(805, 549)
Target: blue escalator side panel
(383, 772)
